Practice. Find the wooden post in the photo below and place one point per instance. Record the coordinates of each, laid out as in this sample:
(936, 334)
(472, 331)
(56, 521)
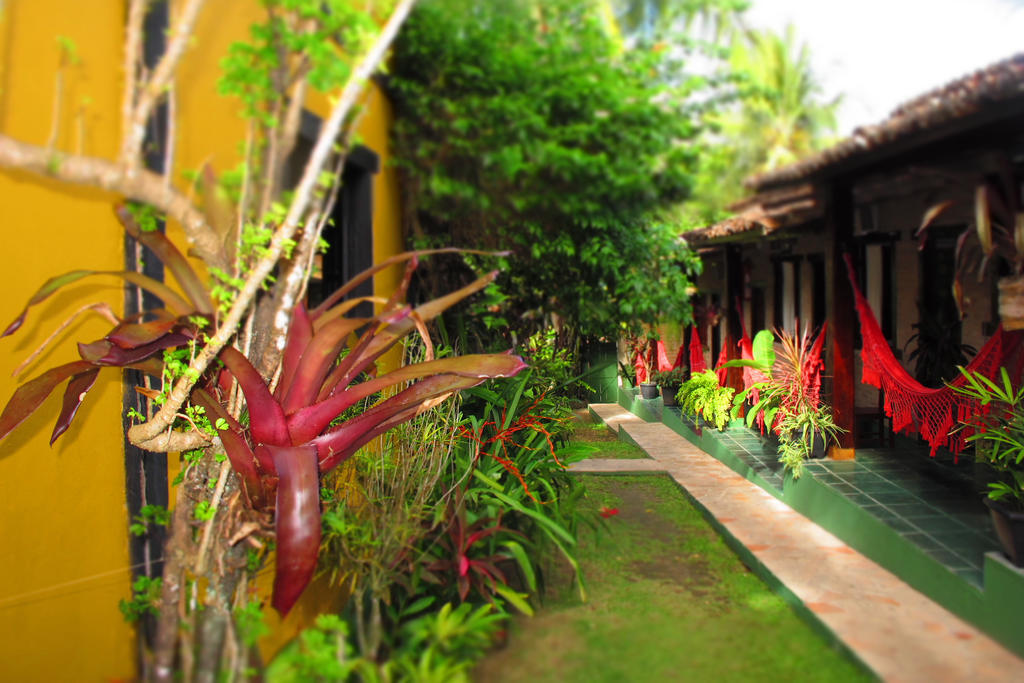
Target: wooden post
(843, 316)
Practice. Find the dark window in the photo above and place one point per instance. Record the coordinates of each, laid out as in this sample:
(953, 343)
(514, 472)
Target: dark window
(757, 310)
(349, 234)
(936, 350)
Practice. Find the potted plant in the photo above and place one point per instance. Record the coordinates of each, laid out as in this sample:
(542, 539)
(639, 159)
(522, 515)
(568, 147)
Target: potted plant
(785, 393)
(702, 397)
(998, 234)
(998, 435)
(670, 381)
(642, 348)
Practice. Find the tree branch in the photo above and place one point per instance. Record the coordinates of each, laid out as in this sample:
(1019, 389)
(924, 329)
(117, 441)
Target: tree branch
(132, 48)
(144, 186)
(153, 89)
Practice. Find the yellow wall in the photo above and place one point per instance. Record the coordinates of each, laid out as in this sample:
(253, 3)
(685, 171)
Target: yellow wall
(62, 510)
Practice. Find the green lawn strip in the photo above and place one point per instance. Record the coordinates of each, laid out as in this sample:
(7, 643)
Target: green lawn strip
(668, 601)
(606, 443)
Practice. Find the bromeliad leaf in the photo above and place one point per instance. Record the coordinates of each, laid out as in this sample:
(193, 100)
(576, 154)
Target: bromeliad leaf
(171, 299)
(338, 444)
(311, 421)
(106, 353)
(297, 521)
(173, 259)
(30, 395)
(266, 419)
(75, 393)
(242, 458)
(134, 335)
(299, 335)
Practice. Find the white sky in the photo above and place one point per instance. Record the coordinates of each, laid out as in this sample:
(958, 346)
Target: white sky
(881, 53)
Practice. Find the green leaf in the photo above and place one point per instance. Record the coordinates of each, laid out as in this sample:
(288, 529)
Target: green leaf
(517, 600)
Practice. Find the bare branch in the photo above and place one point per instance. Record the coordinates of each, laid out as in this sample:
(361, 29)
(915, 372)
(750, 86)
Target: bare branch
(143, 433)
(135, 132)
(144, 186)
(132, 49)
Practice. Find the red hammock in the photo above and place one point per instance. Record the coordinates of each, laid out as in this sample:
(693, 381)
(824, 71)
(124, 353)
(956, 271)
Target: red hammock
(658, 358)
(697, 363)
(913, 407)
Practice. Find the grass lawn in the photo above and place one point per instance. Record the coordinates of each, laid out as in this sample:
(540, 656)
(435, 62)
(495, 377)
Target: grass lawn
(605, 441)
(667, 600)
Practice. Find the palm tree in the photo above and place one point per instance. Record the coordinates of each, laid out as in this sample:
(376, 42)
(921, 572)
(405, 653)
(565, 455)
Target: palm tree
(779, 116)
(782, 116)
(645, 18)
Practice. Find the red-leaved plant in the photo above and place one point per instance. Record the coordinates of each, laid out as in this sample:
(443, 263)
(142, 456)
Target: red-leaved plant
(292, 437)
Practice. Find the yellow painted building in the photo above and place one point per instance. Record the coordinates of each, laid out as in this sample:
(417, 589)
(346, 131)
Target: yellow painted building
(63, 515)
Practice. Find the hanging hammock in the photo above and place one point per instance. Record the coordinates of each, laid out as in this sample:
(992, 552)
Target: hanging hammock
(697, 363)
(658, 359)
(913, 407)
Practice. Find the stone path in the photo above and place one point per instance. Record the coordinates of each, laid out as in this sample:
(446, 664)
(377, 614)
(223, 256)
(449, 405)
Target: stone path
(894, 630)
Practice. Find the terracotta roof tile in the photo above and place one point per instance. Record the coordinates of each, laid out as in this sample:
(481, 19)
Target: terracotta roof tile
(962, 97)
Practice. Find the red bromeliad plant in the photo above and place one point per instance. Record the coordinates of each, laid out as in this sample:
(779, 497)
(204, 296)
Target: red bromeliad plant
(291, 439)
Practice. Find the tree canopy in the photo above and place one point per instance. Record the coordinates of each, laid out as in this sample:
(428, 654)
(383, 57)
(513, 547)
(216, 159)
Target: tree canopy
(528, 126)
(778, 115)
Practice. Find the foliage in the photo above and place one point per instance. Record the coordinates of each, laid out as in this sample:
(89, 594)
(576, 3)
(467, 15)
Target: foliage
(628, 373)
(424, 520)
(256, 237)
(292, 438)
(654, 18)
(799, 430)
(443, 646)
(785, 395)
(461, 559)
(129, 344)
(145, 599)
(673, 379)
(554, 367)
(998, 431)
(294, 435)
(526, 127)
(701, 396)
(642, 347)
(514, 455)
(320, 653)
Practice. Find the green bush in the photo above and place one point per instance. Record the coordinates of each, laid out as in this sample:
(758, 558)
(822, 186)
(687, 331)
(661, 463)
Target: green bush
(529, 127)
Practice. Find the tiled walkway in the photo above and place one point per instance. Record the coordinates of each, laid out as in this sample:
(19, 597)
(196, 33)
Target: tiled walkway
(898, 633)
(924, 500)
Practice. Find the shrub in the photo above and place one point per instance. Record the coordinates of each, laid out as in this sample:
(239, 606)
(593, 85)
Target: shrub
(701, 396)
